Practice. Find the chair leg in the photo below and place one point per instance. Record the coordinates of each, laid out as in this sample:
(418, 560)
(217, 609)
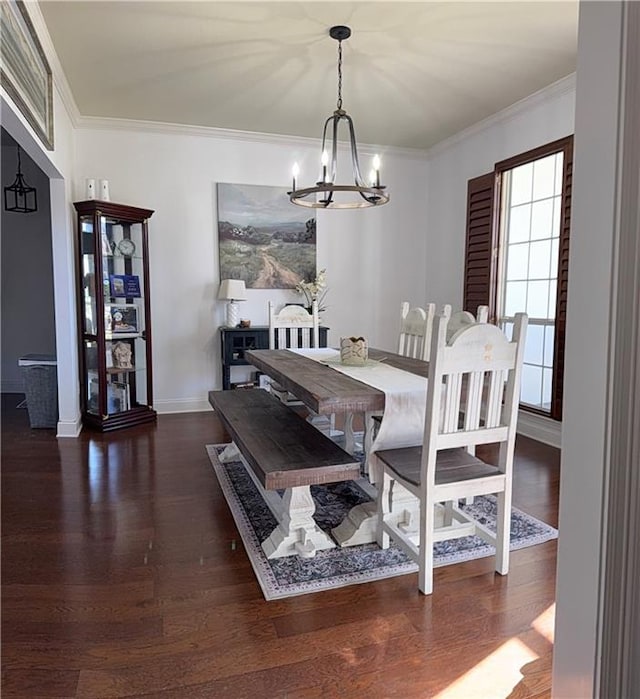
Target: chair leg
(384, 509)
(503, 534)
(425, 548)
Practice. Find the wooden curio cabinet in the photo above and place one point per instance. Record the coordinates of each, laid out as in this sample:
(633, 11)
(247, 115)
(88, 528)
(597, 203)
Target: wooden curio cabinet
(114, 319)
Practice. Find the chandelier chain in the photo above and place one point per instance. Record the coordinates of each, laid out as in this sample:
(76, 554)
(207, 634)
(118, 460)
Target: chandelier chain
(339, 75)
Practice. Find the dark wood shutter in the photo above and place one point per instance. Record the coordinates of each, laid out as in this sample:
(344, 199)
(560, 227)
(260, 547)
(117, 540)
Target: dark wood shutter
(563, 282)
(480, 259)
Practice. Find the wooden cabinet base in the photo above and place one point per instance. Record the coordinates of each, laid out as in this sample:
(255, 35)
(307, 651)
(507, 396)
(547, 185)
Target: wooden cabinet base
(118, 421)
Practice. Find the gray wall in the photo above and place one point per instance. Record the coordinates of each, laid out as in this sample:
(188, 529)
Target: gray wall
(27, 316)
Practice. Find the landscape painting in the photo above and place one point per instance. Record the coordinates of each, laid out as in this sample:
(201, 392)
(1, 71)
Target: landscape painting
(263, 238)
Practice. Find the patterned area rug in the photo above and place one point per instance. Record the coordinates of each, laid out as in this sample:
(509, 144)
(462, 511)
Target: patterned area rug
(292, 575)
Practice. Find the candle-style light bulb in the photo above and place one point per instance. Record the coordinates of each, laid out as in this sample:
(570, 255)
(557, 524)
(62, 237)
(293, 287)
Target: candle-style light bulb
(376, 167)
(325, 161)
(372, 178)
(295, 171)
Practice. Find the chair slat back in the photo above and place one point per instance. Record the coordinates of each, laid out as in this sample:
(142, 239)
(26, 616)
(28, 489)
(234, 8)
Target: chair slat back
(293, 327)
(415, 331)
(471, 396)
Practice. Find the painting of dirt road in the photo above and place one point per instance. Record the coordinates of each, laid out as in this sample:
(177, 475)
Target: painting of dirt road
(263, 238)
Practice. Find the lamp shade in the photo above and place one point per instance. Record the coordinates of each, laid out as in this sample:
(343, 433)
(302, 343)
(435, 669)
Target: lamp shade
(232, 290)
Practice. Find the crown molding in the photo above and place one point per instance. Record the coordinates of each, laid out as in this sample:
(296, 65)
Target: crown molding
(557, 89)
(166, 128)
(60, 82)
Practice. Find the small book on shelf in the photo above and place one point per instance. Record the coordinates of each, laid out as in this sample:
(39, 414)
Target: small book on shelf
(124, 285)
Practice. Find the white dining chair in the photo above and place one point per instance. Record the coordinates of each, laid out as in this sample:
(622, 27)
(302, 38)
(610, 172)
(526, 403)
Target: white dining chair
(414, 339)
(295, 328)
(460, 319)
(477, 375)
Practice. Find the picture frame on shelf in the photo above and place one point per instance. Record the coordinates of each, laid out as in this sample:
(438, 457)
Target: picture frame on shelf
(26, 74)
(124, 286)
(121, 318)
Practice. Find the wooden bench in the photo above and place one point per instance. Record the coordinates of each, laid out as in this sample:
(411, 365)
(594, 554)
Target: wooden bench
(282, 451)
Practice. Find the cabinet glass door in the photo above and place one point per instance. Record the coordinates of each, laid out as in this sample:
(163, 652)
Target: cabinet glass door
(124, 314)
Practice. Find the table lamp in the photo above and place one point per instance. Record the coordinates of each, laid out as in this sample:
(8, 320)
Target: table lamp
(232, 290)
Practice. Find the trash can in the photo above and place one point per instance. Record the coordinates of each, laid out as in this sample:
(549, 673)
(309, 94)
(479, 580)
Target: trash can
(40, 375)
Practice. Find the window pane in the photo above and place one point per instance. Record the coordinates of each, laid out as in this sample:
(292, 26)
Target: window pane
(553, 267)
(519, 223)
(517, 259)
(559, 165)
(557, 210)
(515, 298)
(531, 387)
(543, 177)
(533, 347)
(552, 299)
(537, 299)
(539, 259)
(541, 219)
(521, 178)
(507, 329)
(549, 333)
(546, 387)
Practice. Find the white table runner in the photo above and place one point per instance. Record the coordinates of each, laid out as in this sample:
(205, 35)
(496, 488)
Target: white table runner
(405, 401)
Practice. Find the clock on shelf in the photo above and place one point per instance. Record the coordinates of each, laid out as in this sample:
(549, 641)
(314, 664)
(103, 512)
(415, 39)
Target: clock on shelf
(114, 318)
(127, 247)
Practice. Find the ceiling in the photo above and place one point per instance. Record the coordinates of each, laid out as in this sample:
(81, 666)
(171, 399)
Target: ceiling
(414, 73)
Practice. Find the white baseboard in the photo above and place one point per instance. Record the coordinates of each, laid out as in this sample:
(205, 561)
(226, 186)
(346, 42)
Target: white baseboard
(543, 429)
(182, 405)
(69, 428)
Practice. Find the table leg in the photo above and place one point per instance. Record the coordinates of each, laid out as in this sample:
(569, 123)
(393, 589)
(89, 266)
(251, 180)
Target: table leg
(297, 532)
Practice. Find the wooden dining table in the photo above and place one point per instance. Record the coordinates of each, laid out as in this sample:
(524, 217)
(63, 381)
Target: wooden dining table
(326, 391)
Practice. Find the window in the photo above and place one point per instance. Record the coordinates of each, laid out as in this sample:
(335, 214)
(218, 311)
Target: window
(517, 258)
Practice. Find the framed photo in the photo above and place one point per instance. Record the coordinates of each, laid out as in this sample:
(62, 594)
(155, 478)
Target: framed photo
(26, 74)
(121, 318)
(124, 285)
(263, 239)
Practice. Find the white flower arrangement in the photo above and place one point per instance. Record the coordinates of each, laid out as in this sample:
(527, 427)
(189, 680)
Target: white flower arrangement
(315, 290)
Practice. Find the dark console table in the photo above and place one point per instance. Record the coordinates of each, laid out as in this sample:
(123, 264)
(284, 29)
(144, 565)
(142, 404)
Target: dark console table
(236, 340)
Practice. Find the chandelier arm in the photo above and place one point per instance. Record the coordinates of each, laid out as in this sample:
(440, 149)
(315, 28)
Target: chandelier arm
(355, 164)
(324, 141)
(334, 148)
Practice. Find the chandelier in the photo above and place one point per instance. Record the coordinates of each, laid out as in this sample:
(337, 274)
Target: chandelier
(19, 196)
(350, 196)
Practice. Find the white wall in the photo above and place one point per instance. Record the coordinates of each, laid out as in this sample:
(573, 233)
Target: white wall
(373, 257)
(536, 120)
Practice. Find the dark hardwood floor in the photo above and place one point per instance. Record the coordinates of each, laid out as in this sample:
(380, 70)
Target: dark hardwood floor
(123, 575)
